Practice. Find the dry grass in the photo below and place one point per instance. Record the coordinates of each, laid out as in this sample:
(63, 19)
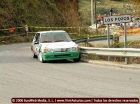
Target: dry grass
(109, 4)
(16, 39)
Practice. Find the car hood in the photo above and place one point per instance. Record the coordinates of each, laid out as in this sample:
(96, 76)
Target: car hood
(58, 45)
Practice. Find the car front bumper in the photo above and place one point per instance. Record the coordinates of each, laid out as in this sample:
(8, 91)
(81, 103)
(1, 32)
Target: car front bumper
(60, 55)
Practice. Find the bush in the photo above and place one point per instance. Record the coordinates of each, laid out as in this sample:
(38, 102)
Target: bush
(103, 11)
(102, 26)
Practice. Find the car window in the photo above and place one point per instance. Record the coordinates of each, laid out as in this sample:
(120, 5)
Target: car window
(55, 37)
(37, 37)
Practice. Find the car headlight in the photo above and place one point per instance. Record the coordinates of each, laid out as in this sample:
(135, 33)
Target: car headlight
(75, 48)
(50, 50)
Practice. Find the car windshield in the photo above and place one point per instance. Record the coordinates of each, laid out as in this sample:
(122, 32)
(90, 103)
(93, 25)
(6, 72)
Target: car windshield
(55, 37)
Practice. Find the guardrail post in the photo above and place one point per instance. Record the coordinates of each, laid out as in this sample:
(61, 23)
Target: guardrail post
(79, 31)
(87, 42)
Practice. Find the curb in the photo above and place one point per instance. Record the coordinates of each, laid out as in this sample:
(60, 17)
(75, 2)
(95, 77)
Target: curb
(114, 64)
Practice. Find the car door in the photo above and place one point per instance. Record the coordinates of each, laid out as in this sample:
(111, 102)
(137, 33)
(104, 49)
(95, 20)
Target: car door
(36, 43)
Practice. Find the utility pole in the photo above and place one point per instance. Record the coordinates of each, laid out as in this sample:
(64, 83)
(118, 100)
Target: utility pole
(94, 11)
(95, 16)
(92, 18)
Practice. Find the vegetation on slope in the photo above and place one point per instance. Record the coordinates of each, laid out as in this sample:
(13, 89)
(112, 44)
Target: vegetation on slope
(38, 12)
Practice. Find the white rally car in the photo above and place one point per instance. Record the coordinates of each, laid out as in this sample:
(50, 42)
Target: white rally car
(54, 45)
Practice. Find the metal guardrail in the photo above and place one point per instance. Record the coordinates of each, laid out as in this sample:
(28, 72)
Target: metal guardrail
(125, 52)
(92, 39)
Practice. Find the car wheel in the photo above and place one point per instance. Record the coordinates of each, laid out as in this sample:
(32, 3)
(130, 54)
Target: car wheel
(34, 56)
(77, 59)
(40, 57)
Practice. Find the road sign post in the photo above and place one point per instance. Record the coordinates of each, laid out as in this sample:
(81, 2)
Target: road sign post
(125, 43)
(107, 20)
(108, 39)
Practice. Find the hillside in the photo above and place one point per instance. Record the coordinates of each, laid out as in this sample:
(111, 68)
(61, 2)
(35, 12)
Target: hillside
(38, 13)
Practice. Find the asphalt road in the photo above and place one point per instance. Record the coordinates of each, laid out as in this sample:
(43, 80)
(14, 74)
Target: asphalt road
(23, 76)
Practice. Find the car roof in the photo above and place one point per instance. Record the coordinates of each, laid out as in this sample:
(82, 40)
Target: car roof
(51, 31)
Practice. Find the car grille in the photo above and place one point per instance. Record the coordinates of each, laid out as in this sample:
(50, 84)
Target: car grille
(62, 55)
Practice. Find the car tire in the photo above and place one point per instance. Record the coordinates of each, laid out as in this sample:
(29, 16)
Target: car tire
(34, 56)
(77, 59)
(40, 57)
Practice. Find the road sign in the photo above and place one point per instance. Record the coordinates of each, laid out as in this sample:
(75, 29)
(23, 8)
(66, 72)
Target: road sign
(116, 19)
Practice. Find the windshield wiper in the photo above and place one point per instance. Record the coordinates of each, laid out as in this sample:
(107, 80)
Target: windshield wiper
(59, 40)
(46, 41)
